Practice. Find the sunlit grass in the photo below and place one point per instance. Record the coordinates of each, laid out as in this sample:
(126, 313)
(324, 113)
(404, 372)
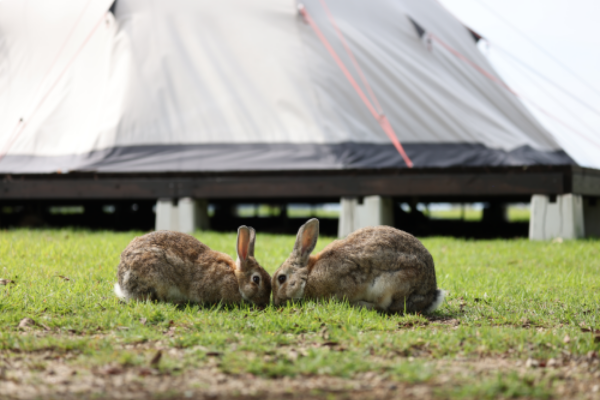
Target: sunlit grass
(519, 214)
(298, 211)
(467, 214)
(514, 213)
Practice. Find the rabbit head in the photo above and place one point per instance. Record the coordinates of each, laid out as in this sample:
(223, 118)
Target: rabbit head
(290, 279)
(253, 281)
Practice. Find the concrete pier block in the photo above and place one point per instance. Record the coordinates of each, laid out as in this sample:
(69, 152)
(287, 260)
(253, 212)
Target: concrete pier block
(374, 211)
(187, 211)
(166, 215)
(193, 215)
(187, 215)
(346, 224)
(562, 218)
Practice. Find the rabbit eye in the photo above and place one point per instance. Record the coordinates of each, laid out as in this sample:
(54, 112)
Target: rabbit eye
(256, 279)
(281, 279)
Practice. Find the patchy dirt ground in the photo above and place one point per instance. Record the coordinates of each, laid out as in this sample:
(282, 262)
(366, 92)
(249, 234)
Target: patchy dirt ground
(57, 375)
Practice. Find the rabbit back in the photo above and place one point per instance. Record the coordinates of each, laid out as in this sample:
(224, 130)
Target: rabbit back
(175, 267)
(381, 267)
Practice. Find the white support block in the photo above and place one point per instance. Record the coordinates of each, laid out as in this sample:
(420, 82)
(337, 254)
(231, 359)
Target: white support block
(591, 217)
(193, 214)
(167, 216)
(346, 222)
(185, 216)
(374, 211)
(563, 218)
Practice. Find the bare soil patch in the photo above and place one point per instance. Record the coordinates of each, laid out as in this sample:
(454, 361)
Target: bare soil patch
(48, 374)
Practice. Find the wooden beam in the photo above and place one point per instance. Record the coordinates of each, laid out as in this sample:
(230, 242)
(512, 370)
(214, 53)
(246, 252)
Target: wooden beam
(586, 182)
(295, 185)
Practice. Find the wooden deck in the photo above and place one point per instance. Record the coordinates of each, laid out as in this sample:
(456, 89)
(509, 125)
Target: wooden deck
(455, 184)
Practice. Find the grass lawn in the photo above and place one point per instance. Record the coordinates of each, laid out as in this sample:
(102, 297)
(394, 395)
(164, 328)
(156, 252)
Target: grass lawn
(519, 322)
(514, 214)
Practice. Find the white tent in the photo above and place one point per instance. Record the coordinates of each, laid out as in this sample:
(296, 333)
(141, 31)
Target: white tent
(252, 85)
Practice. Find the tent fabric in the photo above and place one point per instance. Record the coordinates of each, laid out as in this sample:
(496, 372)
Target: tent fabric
(240, 85)
(284, 156)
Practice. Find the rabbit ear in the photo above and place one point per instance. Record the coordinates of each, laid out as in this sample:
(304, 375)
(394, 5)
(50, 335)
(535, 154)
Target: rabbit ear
(252, 240)
(307, 238)
(243, 244)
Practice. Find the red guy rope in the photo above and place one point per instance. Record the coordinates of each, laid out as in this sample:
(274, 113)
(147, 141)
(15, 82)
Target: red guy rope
(381, 118)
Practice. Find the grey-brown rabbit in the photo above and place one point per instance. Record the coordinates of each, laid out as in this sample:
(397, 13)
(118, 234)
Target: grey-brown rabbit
(175, 267)
(379, 267)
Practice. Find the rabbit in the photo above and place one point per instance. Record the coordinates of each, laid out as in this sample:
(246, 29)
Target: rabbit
(380, 268)
(175, 267)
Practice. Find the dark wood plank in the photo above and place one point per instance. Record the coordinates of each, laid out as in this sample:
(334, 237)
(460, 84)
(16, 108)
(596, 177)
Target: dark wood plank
(399, 185)
(586, 182)
(296, 186)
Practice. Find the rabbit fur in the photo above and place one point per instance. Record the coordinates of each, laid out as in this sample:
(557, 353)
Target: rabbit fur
(378, 267)
(175, 267)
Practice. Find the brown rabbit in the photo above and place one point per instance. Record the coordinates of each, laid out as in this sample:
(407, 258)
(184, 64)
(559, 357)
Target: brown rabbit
(175, 267)
(379, 267)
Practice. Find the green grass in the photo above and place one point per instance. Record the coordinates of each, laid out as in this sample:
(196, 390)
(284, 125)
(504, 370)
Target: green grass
(514, 214)
(503, 386)
(470, 214)
(508, 300)
(263, 210)
(518, 214)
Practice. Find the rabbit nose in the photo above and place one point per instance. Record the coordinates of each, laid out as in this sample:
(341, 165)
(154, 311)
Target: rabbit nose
(292, 284)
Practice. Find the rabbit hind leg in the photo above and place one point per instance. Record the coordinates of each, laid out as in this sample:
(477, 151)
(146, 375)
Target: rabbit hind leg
(415, 303)
(133, 288)
(381, 291)
(400, 306)
(364, 304)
